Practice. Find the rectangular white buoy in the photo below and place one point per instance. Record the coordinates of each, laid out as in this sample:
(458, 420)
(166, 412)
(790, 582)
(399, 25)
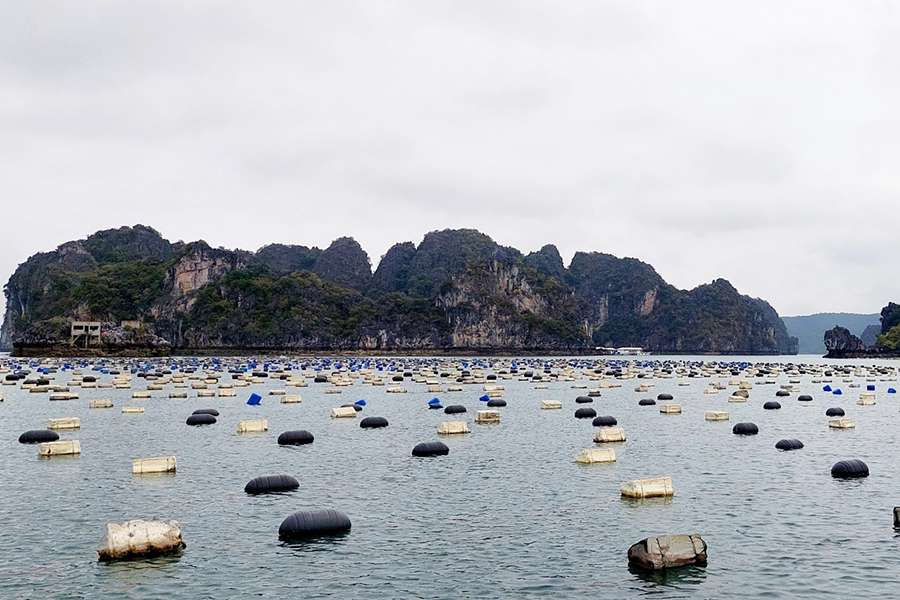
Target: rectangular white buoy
(590, 456)
(59, 448)
(64, 423)
(156, 464)
(253, 426)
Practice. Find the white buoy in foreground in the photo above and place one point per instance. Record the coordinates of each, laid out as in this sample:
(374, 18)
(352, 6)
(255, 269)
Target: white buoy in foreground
(138, 538)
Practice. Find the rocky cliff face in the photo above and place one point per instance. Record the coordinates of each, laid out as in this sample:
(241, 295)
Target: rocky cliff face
(839, 341)
(457, 289)
(392, 274)
(890, 317)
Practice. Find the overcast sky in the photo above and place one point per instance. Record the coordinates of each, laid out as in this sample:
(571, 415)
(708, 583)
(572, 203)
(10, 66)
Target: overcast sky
(756, 141)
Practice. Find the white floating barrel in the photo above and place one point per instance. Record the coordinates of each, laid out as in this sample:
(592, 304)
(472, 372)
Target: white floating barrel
(227, 393)
(452, 427)
(291, 399)
(178, 395)
(137, 538)
(64, 396)
(59, 448)
(487, 416)
(343, 412)
(64, 423)
(716, 415)
(589, 456)
(550, 404)
(100, 404)
(866, 399)
(609, 434)
(657, 487)
(141, 394)
(670, 409)
(156, 464)
(253, 426)
(133, 410)
(842, 423)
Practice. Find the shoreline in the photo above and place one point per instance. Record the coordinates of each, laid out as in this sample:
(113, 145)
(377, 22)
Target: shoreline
(57, 351)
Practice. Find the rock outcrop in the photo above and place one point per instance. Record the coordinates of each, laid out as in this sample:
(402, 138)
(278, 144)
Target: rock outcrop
(875, 342)
(456, 290)
(839, 340)
(345, 263)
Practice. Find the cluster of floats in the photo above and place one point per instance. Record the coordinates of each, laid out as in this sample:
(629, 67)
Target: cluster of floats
(66, 380)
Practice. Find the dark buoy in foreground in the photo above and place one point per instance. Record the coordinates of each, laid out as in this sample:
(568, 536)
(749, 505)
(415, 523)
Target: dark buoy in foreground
(664, 397)
(745, 429)
(604, 421)
(788, 444)
(454, 409)
(782, 394)
(295, 438)
(585, 413)
(772, 405)
(38, 436)
(201, 419)
(496, 402)
(373, 422)
(804, 398)
(431, 449)
(834, 411)
(206, 411)
(583, 400)
(314, 523)
(268, 484)
(646, 402)
(850, 469)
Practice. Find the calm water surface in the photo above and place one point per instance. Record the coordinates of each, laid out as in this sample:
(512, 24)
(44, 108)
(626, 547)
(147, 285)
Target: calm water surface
(507, 514)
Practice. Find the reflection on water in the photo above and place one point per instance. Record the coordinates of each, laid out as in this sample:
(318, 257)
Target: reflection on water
(322, 544)
(657, 581)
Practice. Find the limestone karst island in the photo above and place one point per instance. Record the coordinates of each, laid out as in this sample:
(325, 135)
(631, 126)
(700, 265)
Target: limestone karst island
(129, 290)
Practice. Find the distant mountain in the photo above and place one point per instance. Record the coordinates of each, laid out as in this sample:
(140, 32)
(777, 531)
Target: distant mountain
(810, 329)
(869, 336)
(456, 290)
